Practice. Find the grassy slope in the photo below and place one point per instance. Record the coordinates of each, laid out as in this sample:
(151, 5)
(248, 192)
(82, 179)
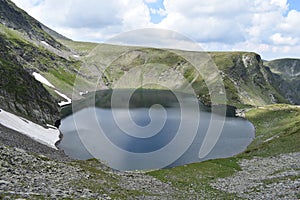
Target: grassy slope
(282, 122)
(82, 48)
(278, 130)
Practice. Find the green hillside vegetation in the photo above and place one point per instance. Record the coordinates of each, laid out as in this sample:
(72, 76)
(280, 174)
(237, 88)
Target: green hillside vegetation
(83, 48)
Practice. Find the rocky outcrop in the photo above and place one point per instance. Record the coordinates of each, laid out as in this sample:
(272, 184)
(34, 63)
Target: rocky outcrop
(246, 79)
(286, 77)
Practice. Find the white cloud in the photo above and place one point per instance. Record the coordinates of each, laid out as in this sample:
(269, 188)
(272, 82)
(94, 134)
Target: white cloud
(277, 38)
(159, 11)
(290, 23)
(150, 1)
(93, 20)
(264, 26)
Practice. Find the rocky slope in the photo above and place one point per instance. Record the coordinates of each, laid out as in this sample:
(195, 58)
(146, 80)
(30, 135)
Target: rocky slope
(287, 70)
(24, 175)
(21, 94)
(246, 79)
(15, 18)
(257, 180)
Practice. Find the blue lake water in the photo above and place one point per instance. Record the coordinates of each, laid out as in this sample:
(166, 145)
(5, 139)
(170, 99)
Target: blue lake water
(151, 136)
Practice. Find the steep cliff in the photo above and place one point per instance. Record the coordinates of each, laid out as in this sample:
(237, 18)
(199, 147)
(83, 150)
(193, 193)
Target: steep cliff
(286, 76)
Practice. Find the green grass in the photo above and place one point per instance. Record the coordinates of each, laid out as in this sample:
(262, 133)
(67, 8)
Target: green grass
(82, 47)
(12, 34)
(280, 122)
(197, 176)
(63, 75)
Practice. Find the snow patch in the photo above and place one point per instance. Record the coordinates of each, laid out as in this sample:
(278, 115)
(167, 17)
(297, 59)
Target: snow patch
(47, 136)
(83, 93)
(297, 74)
(42, 79)
(63, 103)
(45, 43)
(76, 56)
(271, 138)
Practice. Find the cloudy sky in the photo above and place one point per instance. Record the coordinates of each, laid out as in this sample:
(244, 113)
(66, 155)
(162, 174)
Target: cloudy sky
(268, 27)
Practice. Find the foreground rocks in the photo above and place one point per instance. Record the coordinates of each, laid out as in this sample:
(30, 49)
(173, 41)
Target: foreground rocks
(35, 176)
(265, 178)
(28, 176)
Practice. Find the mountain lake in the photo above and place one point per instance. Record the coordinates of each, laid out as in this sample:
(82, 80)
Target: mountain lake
(150, 129)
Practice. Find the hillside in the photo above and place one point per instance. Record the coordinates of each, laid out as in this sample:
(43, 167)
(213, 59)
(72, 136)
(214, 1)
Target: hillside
(26, 48)
(15, 18)
(246, 79)
(289, 71)
(21, 94)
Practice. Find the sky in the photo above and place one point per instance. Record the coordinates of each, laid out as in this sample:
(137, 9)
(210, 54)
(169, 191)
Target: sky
(268, 27)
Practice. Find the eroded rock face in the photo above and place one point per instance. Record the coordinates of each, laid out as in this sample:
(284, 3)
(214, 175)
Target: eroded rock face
(246, 79)
(287, 70)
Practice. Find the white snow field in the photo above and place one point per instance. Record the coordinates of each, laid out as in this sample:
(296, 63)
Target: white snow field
(48, 136)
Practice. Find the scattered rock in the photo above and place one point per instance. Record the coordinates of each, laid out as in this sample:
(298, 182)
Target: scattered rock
(265, 178)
